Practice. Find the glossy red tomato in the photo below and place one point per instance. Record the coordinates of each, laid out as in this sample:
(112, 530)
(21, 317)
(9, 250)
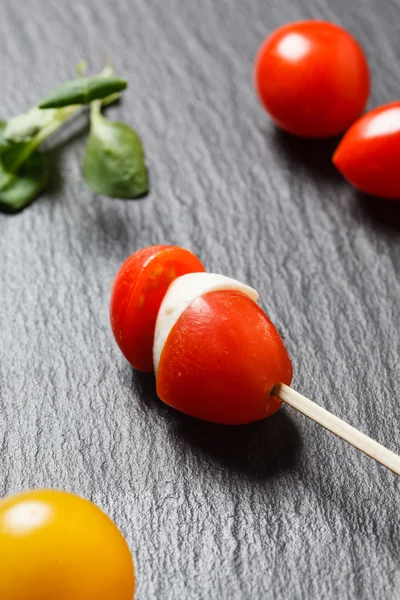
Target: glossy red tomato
(221, 360)
(138, 291)
(369, 154)
(313, 79)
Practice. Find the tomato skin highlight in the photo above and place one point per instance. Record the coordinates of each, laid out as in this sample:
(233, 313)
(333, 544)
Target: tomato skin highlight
(312, 78)
(222, 359)
(54, 545)
(369, 154)
(138, 290)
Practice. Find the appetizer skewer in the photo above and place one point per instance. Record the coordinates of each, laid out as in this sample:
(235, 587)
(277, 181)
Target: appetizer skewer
(215, 353)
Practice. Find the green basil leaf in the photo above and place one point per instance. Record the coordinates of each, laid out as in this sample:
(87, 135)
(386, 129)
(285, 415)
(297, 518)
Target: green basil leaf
(83, 91)
(20, 189)
(11, 153)
(14, 154)
(3, 141)
(5, 177)
(114, 162)
(23, 128)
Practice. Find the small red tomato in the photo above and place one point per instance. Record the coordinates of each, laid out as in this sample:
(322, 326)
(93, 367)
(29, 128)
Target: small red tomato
(313, 78)
(138, 291)
(221, 360)
(369, 154)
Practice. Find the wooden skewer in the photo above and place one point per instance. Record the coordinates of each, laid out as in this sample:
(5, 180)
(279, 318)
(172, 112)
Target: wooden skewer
(340, 428)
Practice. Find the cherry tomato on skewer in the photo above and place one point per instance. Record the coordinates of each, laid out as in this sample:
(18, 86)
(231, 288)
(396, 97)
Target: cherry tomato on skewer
(57, 546)
(369, 154)
(221, 360)
(312, 78)
(216, 354)
(218, 357)
(137, 293)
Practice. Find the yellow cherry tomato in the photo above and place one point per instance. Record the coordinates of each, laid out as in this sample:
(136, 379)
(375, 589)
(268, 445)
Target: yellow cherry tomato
(57, 546)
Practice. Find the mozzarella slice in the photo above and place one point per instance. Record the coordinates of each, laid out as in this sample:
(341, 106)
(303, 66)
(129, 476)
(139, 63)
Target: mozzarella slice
(181, 293)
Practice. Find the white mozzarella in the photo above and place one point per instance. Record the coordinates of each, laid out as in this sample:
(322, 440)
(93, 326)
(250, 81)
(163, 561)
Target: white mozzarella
(181, 293)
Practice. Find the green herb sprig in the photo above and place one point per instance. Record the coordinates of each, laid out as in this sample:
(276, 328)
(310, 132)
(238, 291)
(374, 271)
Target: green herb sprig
(114, 161)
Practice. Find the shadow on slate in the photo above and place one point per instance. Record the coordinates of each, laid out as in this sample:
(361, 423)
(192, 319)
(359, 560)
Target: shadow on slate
(109, 226)
(258, 450)
(72, 132)
(383, 215)
(314, 155)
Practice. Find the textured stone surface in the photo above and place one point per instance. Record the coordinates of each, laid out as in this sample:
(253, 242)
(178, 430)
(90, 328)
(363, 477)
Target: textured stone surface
(281, 509)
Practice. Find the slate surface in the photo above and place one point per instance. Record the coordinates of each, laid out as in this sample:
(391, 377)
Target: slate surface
(281, 509)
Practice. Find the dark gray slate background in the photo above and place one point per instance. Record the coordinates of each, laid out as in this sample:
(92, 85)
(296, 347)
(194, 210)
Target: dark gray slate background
(277, 510)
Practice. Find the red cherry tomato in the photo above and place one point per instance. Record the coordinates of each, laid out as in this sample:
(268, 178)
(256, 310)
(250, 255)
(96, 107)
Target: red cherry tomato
(369, 154)
(313, 79)
(221, 360)
(138, 291)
